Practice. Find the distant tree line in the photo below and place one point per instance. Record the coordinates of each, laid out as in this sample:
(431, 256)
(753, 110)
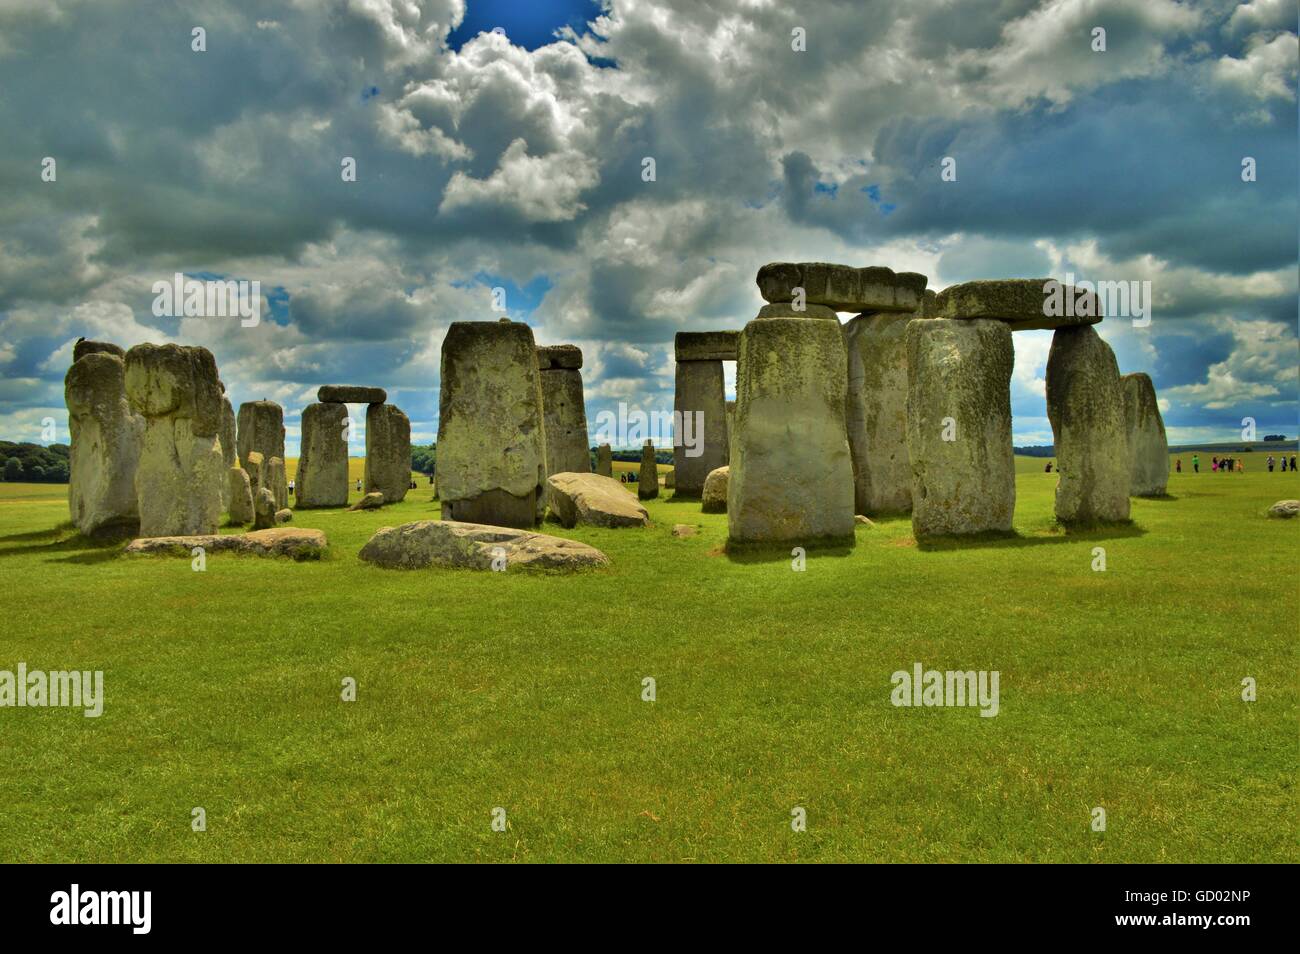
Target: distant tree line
(34, 463)
(422, 459)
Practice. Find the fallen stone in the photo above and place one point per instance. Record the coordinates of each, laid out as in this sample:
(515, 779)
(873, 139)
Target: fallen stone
(263, 509)
(863, 520)
(491, 441)
(842, 287)
(278, 541)
(959, 426)
(388, 452)
(283, 515)
(876, 414)
(450, 543)
(706, 345)
(240, 495)
(648, 477)
(105, 437)
(1148, 448)
(371, 501)
(1085, 405)
(350, 394)
(714, 498)
(791, 475)
(684, 530)
(1285, 509)
(586, 498)
(1023, 303)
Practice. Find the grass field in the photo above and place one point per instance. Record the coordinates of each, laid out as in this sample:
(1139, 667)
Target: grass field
(1119, 689)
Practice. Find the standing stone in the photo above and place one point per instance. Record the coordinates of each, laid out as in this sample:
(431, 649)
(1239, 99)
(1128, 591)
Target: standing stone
(699, 400)
(1148, 449)
(229, 447)
(714, 499)
(959, 426)
(388, 452)
(564, 416)
(106, 435)
(731, 426)
(791, 474)
(263, 509)
(240, 494)
(275, 480)
(82, 347)
(322, 477)
(179, 477)
(877, 413)
(491, 446)
(648, 484)
(1085, 404)
(255, 465)
(604, 461)
(261, 429)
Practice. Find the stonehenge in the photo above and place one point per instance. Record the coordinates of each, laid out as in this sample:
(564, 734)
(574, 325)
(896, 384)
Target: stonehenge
(876, 414)
(564, 414)
(1023, 303)
(959, 426)
(350, 394)
(591, 499)
(180, 471)
(648, 476)
(714, 499)
(261, 429)
(791, 475)
(842, 287)
(388, 452)
(322, 477)
(264, 509)
(275, 480)
(1148, 449)
(700, 407)
(1085, 404)
(452, 543)
(491, 444)
(240, 495)
(105, 437)
(604, 461)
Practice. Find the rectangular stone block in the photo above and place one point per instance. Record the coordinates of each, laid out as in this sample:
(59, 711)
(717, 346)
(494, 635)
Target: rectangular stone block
(706, 345)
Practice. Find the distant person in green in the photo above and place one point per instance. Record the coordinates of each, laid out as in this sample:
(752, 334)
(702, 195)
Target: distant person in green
(1196, 464)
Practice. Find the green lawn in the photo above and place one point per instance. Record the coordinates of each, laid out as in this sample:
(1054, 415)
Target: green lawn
(1119, 689)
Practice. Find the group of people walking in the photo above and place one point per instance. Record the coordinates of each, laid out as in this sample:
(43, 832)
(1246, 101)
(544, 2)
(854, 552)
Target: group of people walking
(1227, 465)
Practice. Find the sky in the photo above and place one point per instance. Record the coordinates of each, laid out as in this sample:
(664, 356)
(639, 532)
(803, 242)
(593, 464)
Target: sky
(503, 147)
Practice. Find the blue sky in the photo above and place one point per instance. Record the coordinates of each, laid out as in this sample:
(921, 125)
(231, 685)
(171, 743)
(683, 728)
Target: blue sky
(514, 160)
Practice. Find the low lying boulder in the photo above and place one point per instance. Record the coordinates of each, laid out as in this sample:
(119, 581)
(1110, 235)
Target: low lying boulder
(278, 541)
(450, 543)
(371, 501)
(593, 500)
(1285, 509)
(714, 497)
(283, 515)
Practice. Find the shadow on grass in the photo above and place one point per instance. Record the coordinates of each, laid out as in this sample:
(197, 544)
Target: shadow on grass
(64, 539)
(1014, 539)
(779, 552)
(38, 534)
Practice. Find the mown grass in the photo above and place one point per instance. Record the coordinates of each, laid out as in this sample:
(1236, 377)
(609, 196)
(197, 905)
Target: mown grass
(1119, 689)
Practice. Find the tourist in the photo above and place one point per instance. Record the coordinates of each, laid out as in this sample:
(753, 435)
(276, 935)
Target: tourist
(1293, 461)
(1178, 466)
(358, 485)
(1241, 465)
(291, 490)
(1196, 463)
(1048, 468)
(1214, 465)
(1270, 463)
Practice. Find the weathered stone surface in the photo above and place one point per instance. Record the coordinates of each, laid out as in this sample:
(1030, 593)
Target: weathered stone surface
(648, 477)
(714, 499)
(863, 520)
(670, 480)
(106, 436)
(1085, 404)
(180, 473)
(84, 347)
(1148, 449)
(450, 543)
(261, 429)
(604, 461)
(876, 414)
(593, 500)
(706, 345)
(276, 541)
(276, 480)
(1023, 303)
(564, 415)
(959, 426)
(791, 476)
(229, 448)
(240, 495)
(263, 509)
(842, 287)
(491, 442)
(1285, 509)
(565, 357)
(785, 309)
(283, 515)
(322, 477)
(682, 530)
(255, 467)
(350, 394)
(703, 445)
(388, 452)
(371, 501)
